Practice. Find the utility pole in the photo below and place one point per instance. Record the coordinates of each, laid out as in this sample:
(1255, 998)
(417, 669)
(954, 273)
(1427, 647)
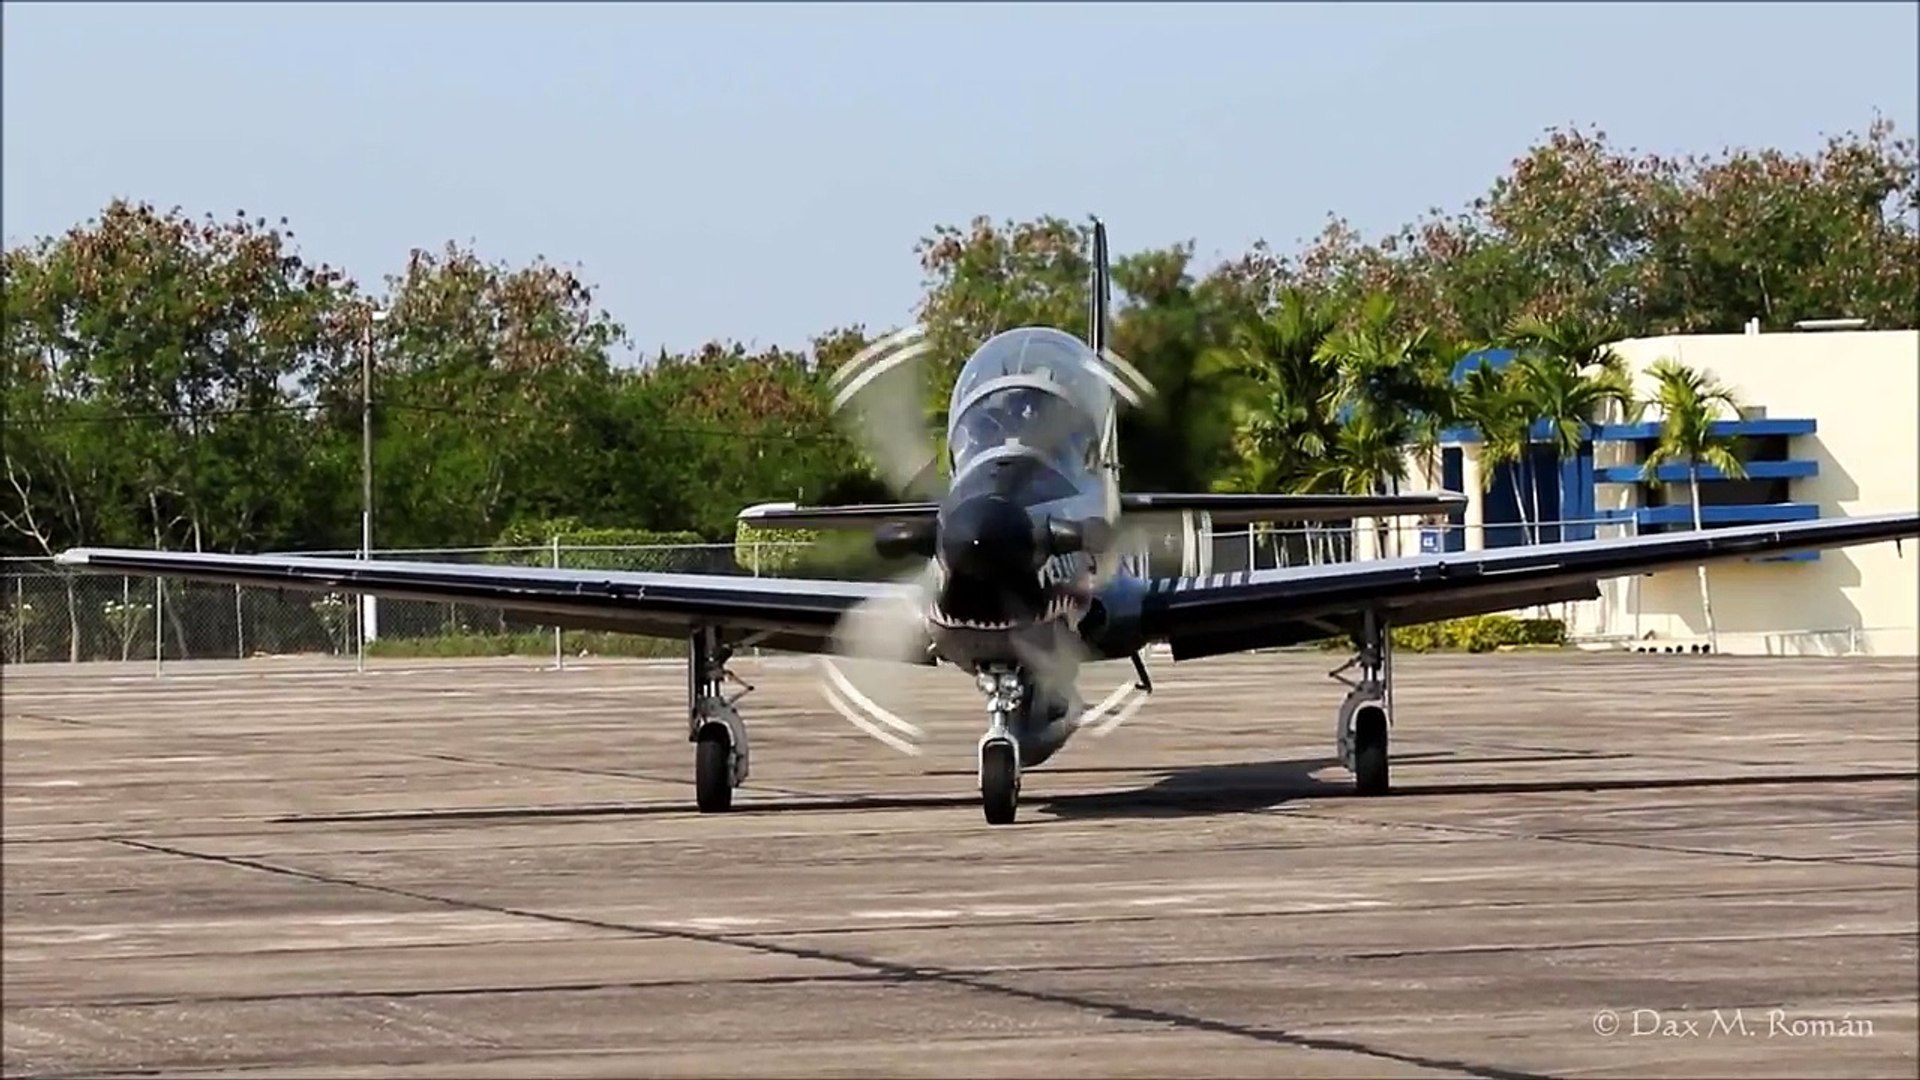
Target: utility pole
(374, 315)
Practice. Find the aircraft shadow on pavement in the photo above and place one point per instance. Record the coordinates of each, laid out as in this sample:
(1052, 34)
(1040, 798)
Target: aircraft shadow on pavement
(1205, 789)
(1254, 786)
(1233, 788)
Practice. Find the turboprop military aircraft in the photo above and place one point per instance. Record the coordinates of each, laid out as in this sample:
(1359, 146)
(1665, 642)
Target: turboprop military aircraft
(1027, 572)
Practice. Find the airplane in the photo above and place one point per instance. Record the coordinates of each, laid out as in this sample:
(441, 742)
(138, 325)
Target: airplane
(1025, 570)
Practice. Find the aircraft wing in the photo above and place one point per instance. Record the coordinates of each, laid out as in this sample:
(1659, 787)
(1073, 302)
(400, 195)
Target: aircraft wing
(864, 516)
(1239, 509)
(780, 613)
(1223, 508)
(1222, 613)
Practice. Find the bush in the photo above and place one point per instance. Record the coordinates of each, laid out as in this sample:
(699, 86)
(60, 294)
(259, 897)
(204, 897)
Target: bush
(1474, 634)
(585, 547)
(527, 643)
(771, 551)
(813, 553)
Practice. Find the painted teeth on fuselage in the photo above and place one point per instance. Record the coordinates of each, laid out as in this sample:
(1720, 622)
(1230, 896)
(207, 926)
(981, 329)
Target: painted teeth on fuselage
(1059, 605)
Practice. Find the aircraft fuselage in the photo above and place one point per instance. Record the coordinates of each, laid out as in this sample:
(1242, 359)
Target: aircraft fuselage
(1027, 576)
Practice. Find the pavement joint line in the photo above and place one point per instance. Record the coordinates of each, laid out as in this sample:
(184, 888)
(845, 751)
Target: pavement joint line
(1857, 859)
(969, 973)
(902, 972)
(1117, 918)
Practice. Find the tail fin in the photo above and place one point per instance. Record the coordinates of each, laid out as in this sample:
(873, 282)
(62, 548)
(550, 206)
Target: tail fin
(1101, 294)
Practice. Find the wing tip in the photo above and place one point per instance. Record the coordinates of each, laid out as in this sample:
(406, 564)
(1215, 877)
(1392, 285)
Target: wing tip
(73, 557)
(765, 510)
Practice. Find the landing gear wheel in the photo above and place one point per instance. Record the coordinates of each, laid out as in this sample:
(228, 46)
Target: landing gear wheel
(713, 772)
(999, 784)
(1370, 752)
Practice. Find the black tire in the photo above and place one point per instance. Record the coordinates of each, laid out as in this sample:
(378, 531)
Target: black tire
(712, 773)
(1370, 770)
(999, 784)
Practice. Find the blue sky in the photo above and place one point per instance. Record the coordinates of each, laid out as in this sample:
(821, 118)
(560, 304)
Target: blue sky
(761, 172)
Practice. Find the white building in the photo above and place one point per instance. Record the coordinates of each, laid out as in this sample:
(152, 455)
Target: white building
(1831, 428)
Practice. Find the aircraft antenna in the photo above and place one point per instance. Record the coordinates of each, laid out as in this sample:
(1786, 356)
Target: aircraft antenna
(1101, 293)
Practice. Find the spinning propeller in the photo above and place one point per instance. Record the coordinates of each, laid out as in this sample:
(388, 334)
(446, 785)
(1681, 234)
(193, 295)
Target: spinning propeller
(979, 538)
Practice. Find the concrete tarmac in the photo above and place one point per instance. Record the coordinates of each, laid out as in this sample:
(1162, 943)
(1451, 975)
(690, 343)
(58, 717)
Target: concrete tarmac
(1591, 866)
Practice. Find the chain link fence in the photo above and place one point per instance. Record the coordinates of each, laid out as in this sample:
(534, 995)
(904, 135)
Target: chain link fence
(52, 615)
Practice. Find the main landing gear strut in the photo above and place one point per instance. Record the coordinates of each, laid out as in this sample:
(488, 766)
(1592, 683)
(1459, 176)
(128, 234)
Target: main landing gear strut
(714, 726)
(1367, 712)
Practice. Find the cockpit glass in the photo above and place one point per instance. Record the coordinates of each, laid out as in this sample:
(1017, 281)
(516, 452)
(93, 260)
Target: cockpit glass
(1037, 419)
(1041, 352)
(1035, 386)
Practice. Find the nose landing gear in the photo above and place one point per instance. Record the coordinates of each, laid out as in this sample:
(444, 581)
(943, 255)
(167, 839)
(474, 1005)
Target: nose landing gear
(1007, 691)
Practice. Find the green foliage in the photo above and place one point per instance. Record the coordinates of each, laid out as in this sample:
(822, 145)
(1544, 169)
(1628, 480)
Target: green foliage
(1654, 244)
(581, 547)
(1689, 402)
(530, 643)
(1479, 634)
(1474, 634)
(570, 532)
(772, 551)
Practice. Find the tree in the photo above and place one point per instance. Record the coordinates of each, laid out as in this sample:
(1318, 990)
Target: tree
(1282, 385)
(1767, 235)
(1165, 321)
(159, 374)
(990, 278)
(987, 278)
(1689, 402)
(1395, 390)
(1492, 400)
(1568, 375)
(1658, 244)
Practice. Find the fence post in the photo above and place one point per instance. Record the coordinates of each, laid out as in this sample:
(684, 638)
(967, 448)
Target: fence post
(159, 635)
(239, 626)
(559, 660)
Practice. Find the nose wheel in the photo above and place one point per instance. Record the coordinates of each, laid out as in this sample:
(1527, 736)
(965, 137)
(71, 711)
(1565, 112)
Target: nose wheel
(1007, 691)
(1000, 782)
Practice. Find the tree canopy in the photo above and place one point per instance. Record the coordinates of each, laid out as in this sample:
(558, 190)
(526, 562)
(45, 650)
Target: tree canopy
(195, 382)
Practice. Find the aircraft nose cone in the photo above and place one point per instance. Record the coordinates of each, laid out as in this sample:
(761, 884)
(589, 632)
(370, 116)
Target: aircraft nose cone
(987, 536)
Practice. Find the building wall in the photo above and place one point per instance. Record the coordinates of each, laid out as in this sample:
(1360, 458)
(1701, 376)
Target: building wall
(1861, 390)
(1849, 403)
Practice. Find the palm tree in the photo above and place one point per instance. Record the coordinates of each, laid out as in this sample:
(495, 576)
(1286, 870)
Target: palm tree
(1282, 389)
(1580, 340)
(1569, 376)
(1491, 400)
(1366, 457)
(1569, 400)
(1689, 402)
(1395, 386)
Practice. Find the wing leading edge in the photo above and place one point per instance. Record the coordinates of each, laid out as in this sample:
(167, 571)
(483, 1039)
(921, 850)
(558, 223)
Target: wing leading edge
(1221, 613)
(1234, 508)
(1222, 508)
(779, 613)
